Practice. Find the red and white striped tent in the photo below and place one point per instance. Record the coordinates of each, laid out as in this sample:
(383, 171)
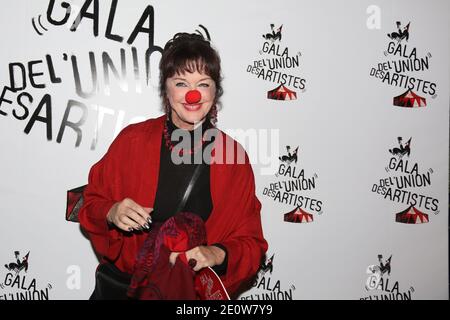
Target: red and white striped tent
(298, 216)
(409, 100)
(411, 216)
(281, 93)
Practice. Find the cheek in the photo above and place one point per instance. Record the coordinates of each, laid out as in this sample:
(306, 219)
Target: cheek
(176, 94)
(209, 94)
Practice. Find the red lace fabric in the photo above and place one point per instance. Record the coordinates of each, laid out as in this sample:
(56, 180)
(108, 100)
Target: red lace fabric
(153, 277)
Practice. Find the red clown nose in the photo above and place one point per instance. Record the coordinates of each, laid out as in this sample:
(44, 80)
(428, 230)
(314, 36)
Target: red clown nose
(193, 96)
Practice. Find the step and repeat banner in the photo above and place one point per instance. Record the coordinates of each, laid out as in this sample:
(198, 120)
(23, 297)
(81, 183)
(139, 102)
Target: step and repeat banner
(343, 107)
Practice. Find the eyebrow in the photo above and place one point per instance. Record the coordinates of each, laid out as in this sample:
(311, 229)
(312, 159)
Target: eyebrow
(184, 79)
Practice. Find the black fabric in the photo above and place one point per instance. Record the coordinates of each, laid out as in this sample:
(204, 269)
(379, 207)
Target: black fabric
(174, 177)
(110, 283)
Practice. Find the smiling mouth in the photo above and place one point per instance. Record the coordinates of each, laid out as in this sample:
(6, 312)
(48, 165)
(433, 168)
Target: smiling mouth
(192, 107)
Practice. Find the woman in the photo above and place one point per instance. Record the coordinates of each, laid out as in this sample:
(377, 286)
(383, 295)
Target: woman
(139, 181)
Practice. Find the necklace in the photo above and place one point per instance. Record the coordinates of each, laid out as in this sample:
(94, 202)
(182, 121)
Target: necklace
(171, 146)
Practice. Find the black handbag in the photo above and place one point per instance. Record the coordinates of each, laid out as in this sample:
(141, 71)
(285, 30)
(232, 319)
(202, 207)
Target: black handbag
(110, 282)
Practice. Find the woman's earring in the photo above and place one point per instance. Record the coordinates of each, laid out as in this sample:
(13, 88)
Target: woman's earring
(213, 115)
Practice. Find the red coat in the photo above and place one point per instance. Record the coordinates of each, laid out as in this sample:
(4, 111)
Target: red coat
(130, 169)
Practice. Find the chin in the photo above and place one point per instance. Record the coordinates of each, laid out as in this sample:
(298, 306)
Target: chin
(193, 118)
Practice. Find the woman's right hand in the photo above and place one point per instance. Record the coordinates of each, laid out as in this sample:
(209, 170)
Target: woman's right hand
(127, 215)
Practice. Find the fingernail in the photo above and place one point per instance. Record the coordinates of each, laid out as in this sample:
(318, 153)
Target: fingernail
(192, 263)
(149, 220)
(146, 226)
(130, 229)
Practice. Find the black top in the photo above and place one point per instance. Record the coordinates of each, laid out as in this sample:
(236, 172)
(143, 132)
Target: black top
(174, 178)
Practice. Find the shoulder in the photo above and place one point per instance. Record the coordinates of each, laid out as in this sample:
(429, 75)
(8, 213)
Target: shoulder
(229, 151)
(142, 129)
(135, 135)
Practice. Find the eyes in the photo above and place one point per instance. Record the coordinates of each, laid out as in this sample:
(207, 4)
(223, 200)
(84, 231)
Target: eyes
(184, 84)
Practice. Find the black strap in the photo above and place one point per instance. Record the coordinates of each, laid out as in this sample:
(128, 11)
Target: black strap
(189, 188)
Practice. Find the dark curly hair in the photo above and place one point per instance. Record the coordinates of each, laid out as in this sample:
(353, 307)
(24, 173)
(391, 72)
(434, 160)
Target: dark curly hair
(190, 52)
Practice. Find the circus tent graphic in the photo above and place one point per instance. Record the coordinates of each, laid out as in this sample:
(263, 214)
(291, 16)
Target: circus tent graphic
(298, 216)
(411, 216)
(281, 93)
(409, 100)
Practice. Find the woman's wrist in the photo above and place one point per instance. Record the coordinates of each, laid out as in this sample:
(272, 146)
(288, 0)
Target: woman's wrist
(109, 220)
(219, 254)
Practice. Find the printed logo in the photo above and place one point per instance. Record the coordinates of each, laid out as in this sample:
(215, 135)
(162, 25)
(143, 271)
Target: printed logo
(405, 186)
(289, 189)
(275, 65)
(403, 69)
(19, 265)
(380, 286)
(265, 287)
(17, 284)
(376, 272)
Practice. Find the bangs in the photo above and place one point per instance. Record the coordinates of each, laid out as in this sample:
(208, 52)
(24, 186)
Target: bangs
(184, 65)
(191, 57)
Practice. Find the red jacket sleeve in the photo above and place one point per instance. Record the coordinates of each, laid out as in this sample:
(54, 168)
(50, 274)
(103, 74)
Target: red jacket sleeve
(245, 244)
(99, 198)
(238, 224)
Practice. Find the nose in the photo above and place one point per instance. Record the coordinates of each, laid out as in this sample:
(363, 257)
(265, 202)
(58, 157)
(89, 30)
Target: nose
(193, 96)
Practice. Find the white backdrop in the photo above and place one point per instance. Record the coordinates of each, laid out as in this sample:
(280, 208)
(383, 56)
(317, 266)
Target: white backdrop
(343, 121)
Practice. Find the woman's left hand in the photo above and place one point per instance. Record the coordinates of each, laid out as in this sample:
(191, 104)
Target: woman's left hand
(205, 256)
